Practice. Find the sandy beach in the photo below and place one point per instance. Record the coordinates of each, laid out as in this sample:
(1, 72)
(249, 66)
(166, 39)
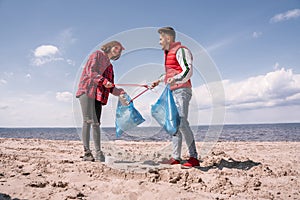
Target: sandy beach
(49, 169)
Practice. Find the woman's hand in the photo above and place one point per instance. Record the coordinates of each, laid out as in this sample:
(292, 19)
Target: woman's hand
(108, 84)
(123, 99)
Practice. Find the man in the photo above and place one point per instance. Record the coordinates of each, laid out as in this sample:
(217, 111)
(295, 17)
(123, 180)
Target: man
(179, 69)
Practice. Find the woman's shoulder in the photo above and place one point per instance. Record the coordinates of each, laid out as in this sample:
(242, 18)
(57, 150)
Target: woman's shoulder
(102, 57)
(99, 53)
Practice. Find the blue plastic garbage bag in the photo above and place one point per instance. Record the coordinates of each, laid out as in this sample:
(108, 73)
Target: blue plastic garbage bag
(165, 111)
(127, 117)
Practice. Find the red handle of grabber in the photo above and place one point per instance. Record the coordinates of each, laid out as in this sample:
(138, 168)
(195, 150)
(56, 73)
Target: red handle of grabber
(131, 84)
(139, 95)
(134, 85)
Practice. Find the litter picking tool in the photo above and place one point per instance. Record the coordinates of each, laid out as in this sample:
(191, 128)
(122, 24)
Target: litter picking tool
(135, 85)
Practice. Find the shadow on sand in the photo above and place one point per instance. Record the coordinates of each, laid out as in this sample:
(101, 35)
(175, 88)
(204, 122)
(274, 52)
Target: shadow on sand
(214, 164)
(231, 164)
(6, 197)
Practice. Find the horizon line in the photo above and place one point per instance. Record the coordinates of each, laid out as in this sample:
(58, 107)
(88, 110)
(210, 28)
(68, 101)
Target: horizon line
(266, 123)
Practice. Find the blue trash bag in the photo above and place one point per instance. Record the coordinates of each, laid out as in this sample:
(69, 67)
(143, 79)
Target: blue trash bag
(165, 112)
(127, 117)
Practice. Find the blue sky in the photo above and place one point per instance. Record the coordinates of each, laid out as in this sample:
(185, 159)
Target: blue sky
(254, 45)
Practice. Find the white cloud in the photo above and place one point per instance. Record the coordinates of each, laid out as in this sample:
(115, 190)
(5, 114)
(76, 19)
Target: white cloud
(276, 66)
(277, 88)
(9, 74)
(256, 34)
(34, 110)
(45, 50)
(28, 76)
(3, 107)
(64, 96)
(43, 60)
(291, 14)
(66, 37)
(70, 62)
(3, 82)
(47, 54)
(272, 97)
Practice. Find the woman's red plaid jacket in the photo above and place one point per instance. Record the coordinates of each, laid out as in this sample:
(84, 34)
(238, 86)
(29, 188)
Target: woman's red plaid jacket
(96, 72)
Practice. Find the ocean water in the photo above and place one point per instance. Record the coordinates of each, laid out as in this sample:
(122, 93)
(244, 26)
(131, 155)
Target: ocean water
(244, 132)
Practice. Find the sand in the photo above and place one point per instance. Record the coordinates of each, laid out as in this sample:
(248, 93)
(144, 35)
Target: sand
(48, 169)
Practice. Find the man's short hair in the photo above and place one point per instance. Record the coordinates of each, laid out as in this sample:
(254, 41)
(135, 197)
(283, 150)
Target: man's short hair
(167, 30)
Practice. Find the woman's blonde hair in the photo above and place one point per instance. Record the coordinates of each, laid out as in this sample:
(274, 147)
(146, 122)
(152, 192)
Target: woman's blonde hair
(108, 46)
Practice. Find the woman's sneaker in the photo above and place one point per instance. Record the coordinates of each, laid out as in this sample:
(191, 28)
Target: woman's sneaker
(100, 156)
(88, 156)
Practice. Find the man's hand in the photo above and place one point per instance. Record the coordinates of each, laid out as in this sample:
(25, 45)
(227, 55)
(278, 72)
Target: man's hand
(171, 81)
(154, 84)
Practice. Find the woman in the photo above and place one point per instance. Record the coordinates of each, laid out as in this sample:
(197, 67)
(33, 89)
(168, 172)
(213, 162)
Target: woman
(96, 82)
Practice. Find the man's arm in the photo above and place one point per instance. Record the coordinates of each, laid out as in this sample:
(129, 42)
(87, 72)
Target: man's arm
(185, 59)
(156, 83)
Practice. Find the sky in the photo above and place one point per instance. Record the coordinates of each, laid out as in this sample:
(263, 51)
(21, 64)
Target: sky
(252, 44)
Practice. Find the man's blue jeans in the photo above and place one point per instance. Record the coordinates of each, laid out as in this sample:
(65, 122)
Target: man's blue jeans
(182, 97)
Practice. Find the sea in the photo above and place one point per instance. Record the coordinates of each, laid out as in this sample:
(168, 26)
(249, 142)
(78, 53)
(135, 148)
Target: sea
(238, 132)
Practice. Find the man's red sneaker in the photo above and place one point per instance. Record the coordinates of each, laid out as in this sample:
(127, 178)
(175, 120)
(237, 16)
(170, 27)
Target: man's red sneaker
(192, 162)
(171, 161)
